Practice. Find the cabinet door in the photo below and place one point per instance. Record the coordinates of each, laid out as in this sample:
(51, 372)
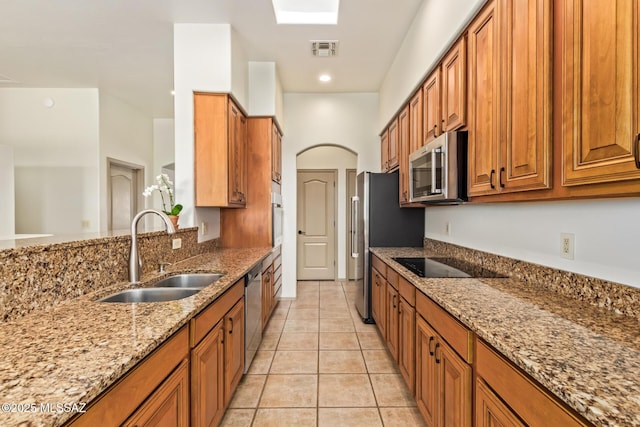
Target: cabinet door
(394, 137)
(454, 377)
(407, 344)
(404, 154)
(483, 101)
(384, 151)
(426, 374)
(432, 116)
(415, 122)
(378, 293)
(454, 87)
(600, 91)
(491, 411)
(237, 155)
(233, 349)
(168, 406)
(392, 320)
(526, 95)
(207, 379)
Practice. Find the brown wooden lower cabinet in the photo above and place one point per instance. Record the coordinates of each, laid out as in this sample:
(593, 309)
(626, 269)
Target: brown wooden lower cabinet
(407, 343)
(378, 298)
(207, 379)
(443, 380)
(491, 411)
(392, 319)
(168, 406)
(233, 349)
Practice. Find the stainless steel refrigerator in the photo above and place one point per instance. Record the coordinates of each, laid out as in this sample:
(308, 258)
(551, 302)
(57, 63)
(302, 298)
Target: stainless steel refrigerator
(378, 221)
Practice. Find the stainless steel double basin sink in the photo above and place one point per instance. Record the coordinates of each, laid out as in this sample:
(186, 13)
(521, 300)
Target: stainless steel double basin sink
(168, 289)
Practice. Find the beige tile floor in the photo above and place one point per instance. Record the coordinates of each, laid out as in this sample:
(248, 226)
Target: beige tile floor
(319, 365)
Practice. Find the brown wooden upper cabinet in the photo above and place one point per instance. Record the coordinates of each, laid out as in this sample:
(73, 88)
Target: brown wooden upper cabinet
(444, 94)
(509, 102)
(389, 146)
(220, 157)
(600, 91)
(404, 147)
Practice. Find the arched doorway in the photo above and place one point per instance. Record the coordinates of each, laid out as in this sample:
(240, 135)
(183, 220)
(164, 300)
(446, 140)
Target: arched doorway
(322, 211)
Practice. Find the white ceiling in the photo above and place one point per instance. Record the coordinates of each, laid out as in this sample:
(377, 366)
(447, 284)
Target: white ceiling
(125, 47)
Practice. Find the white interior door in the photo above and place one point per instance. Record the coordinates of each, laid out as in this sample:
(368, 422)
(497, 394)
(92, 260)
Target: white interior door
(316, 246)
(123, 195)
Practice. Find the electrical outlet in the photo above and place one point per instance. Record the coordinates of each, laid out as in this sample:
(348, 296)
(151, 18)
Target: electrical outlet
(85, 224)
(447, 229)
(204, 227)
(567, 245)
(176, 243)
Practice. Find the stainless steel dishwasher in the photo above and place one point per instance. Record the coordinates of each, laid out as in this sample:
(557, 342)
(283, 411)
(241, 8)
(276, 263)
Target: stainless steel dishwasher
(252, 314)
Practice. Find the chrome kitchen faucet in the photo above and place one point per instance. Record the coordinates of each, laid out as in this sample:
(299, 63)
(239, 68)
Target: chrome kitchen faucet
(135, 264)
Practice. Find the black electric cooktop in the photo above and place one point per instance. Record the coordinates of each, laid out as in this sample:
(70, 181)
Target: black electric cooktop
(444, 267)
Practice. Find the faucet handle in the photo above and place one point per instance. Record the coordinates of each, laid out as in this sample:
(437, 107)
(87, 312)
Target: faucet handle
(162, 266)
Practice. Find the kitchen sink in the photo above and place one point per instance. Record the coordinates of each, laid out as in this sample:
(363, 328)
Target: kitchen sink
(150, 295)
(195, 280)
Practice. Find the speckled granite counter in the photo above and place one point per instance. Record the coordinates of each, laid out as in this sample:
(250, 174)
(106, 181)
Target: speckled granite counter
(589, 357)
(74, 351)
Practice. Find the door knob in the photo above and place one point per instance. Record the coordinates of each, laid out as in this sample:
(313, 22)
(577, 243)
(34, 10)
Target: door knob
(301, 232)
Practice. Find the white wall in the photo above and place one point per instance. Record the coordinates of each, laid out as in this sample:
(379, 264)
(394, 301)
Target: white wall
(55, 156)
(607, 232)
(126, 134)
(201, 62)
(434, 28)
(7, 192)
(342, 119)
(330, 157)
(265, 90)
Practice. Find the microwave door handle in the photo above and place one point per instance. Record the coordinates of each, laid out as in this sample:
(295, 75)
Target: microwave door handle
(354, 227)
(434, 190)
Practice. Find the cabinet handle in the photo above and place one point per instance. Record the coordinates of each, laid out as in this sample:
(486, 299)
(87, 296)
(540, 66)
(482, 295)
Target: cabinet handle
(637, 151)
(223, 331)
(493, 172)
(430, 341)
(435, 130)
(436, 352)
(501, 173)
(231, 328)
(394, 301)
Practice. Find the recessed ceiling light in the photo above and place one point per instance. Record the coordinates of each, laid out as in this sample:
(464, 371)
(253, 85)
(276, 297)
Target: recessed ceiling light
(323, 12)
(325, 78)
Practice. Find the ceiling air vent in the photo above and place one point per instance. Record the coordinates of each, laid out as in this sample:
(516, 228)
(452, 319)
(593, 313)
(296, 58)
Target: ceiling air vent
(324, 48)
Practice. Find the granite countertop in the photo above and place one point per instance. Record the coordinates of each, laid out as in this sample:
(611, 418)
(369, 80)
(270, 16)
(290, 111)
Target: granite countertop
(73, 352)
(587, 356)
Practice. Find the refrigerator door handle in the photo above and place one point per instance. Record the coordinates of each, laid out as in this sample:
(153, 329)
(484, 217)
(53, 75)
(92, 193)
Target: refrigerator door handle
(354, 227)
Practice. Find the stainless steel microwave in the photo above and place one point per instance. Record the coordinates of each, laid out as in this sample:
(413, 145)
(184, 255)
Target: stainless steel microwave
(438, 170)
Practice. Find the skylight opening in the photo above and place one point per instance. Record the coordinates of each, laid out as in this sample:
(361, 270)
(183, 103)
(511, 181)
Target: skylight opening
(306, 12)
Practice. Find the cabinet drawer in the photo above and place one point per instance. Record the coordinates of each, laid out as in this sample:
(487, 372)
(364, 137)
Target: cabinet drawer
(530, 401)
(453, 332)
(207, 319)
(267, 263)
(379, 265)
(407, 291)
(392, 277)
(277, 261)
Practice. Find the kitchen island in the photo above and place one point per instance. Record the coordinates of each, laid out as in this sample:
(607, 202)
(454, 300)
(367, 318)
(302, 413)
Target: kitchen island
(69, 354)
(588, 357)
